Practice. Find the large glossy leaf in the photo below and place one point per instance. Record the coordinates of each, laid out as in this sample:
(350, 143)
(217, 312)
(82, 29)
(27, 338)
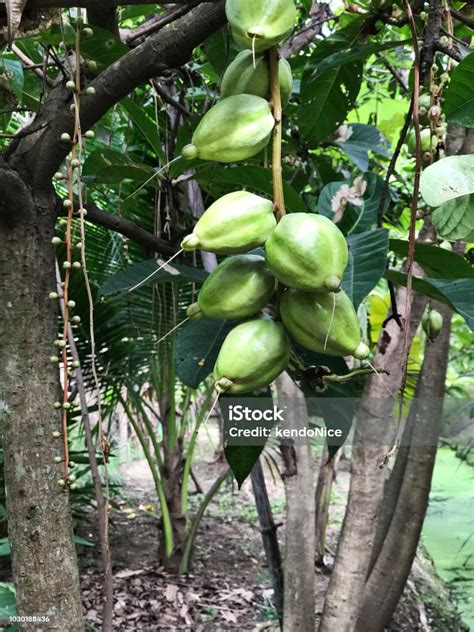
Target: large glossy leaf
(457, 293)
(241, 459)
(218, 180)
(367, 262)
(326, 101)
(459, 104)
(109, 166)
(103, 47)
(447, 179)
(362, 139)
(145, 126)
(196, 348)
(455, 218)
(435, 261)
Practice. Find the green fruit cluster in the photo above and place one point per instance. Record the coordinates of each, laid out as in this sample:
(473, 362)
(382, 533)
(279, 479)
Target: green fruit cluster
(432, 322)
(305, 253)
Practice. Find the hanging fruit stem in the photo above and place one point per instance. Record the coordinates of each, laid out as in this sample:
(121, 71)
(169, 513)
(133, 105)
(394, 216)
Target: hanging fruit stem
(278, 197)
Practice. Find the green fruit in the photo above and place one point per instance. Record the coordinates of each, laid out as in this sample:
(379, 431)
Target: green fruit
(236, 222)
(259, 24)
(432, 323)
(308, 252)
(235, 129)
(309, 317)
(253, 355)
(239, 287)
(426, 143)
(244, 77)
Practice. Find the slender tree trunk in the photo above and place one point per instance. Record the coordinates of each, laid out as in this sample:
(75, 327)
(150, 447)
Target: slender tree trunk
(326, 477)
(269, 534)
(299, 576)
(388, 577)
(375, 432)
(40, 529)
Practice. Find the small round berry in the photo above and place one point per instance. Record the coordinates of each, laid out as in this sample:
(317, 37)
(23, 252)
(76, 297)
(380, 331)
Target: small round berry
(67, 406)
(62, 223)
(71, 304)
(73, 486)
(67, 203)
(54, 359)
(66, 265)
(75, 163)
(58, 459)
(69, 439)
(76, 364)
(88, 32)
(78, 246)
(76, 320)
(66, 138)
(53, 295)
(82, 212)
(56, 405)
(91, 64)
(70, 85)
(90, 91)
(56, 434)
(72, 478)
(56, 241)
(62, 482)
(89, 134)
(61, 344)
(58, 176)
(77, 265)
(71, 464)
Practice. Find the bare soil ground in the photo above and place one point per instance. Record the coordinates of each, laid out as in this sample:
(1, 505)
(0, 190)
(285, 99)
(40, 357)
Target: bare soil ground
(229, 587)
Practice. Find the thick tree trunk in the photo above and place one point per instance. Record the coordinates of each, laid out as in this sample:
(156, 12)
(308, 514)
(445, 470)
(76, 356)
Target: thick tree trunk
(40, 529)
(391, 570)
(299, 576)
(375, 432)
(326, 477)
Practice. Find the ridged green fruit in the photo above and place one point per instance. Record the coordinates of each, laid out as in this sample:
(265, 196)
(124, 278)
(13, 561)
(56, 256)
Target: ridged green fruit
(428, 142)
(236, 222)
(432, 323)
(253, 355)
(260, 23)
(243, 77)
(309, 317)
(240, 286)
(234, 129)
(308, 252)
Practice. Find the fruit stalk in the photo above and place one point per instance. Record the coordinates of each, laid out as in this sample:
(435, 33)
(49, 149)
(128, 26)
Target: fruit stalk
(278, 197)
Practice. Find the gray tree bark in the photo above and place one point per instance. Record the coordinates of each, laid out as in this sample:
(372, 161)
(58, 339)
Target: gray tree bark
(39, 522)
(299, 478)
(374, 433)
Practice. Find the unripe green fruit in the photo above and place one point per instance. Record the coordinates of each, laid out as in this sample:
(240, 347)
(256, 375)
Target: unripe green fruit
(57, 405)
(58, 459)
(235, 129)
(308, 252)
(72, 478)
(445, 245)
(54, 359)
(66, 265)
(243, 77)
(72, 464)
(432, 323)
(77, 265)
(76, 364)
(59, 176)
(251, 357)
(71, 305)
(89, 134)
(67, 203)
(75, 163)
(426, 143)
(67, 406)
(56, 434)
(260, 23)
(61, 482)
(76, 319)
(70, 85)
(88, 33)
(66, 138)
(235, 223)
(91, 64)
(56, 241)
(53, 295)
(325, 323)
(90, 91)
(239, 287)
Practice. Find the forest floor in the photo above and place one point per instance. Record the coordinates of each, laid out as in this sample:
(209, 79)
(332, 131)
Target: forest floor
(229, 587)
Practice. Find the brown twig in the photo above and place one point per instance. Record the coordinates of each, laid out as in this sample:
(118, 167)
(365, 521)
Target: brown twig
(30, 64)
(457, 15)
(278, 196)
(416, 188)
(158, 22)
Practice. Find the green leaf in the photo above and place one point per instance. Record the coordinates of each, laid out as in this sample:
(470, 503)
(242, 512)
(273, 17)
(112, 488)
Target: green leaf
(455, 218)
(220, 50)
(145, 126)
(435, 261)
(196, 348)
(109, 166)
(355, 53)
(7, 600)
(103, 47)
(447, 179)
(457, 293)
(241, 459)
(4, 546)
(330, 97)
(459, 104)
(362, 139)
(82, 541)
(218, 181)
(367, 263)
(124, 280)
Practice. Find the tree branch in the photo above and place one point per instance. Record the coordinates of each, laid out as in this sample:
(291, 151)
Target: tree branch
(319, 14)
(130, 37)
(170, 48)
